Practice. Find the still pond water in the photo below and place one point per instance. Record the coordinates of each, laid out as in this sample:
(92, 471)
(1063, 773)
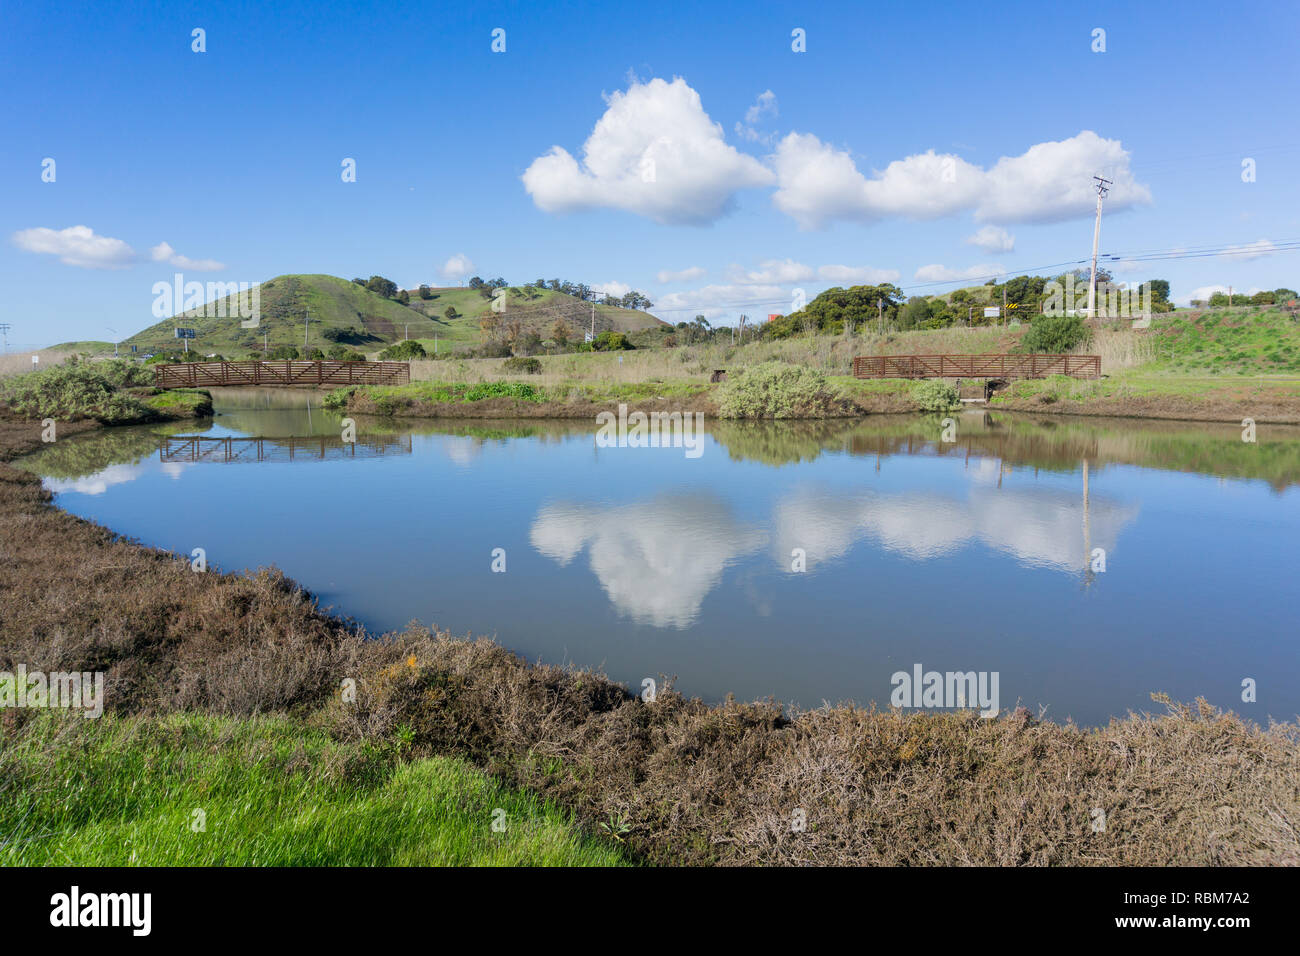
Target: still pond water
(979, 554)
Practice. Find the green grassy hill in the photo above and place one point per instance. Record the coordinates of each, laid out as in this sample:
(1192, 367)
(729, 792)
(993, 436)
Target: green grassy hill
(1253, 340)
(376, 321)
(537, 309)
(334, 303)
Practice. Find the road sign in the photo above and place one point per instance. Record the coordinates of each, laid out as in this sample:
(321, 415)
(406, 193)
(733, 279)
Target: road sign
(187, 333)
(992, 313)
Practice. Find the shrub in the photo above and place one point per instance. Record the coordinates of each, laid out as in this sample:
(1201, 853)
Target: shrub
(935, 396)
(611, 342)
(1055, 334)
(477, 393)
(403, 351)
(74, 391)
(527, 366)
(338, 398)
(776, 390)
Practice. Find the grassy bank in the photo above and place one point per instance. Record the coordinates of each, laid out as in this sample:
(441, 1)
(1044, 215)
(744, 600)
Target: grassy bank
(195, 790)
(672, 781)
(1222, 365)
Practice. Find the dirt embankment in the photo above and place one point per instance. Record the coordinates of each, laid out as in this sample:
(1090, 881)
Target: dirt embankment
(1223, 405)
(678, 780)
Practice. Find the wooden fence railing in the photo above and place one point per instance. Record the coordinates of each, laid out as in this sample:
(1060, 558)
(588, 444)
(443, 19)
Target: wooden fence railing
(1033, 365)
(288, 372)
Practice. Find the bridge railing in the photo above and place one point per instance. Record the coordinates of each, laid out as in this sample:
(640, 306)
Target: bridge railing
(286, 372)
(1031, 365)
(198, 449)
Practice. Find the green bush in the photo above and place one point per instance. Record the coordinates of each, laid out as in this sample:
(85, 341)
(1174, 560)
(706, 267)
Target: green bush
(776, 390)
(403, 351)
(74, 391)
(528, 366)
(477, 393)
(935, 396)
(1055, 334)
(611, 342)
(338, 398)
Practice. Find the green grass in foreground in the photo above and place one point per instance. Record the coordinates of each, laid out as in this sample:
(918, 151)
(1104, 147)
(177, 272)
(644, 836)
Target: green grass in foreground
(124, 791)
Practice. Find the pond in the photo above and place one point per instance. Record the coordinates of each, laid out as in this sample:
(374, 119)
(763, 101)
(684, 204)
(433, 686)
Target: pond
(1084, 562)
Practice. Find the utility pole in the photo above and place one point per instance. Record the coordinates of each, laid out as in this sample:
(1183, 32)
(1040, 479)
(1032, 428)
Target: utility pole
(305, 322)
(1103, 185)
(1230, 297)
(1004, 306)
(880, 314)
(4, 331)
(114, 331)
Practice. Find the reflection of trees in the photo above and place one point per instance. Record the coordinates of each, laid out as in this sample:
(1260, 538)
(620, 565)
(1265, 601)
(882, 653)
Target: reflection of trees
(1055, 444)
(95, 451)
(780, 443)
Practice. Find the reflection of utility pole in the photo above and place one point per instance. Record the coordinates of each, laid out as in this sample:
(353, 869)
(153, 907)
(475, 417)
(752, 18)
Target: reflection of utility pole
(1087, 533)
(1102, 186)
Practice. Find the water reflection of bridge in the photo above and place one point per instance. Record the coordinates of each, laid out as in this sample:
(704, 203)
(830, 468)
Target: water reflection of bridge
(202, 448)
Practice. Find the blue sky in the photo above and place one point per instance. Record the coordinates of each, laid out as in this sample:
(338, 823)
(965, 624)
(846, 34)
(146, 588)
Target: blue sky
(232, 157)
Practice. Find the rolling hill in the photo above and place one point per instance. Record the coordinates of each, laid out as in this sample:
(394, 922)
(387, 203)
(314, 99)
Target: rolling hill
(368, 322)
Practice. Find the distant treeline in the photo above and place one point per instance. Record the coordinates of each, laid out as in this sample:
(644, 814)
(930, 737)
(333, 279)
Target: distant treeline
(579, 290)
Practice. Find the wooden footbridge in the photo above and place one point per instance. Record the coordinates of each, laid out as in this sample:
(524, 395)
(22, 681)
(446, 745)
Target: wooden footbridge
(288, 372)
(991, 367)
(201, 449)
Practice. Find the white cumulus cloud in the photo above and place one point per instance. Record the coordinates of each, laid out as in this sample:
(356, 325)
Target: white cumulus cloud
(763, 107)
(655, 152)
(163, 252)
(688, 274)
(772, 271)
(1252, 250)
(1049, 182)
(712, 301)
(993, 239)
(858, 275)
(457, 267)
(938, 273)
(77, 246)
(618, 289)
